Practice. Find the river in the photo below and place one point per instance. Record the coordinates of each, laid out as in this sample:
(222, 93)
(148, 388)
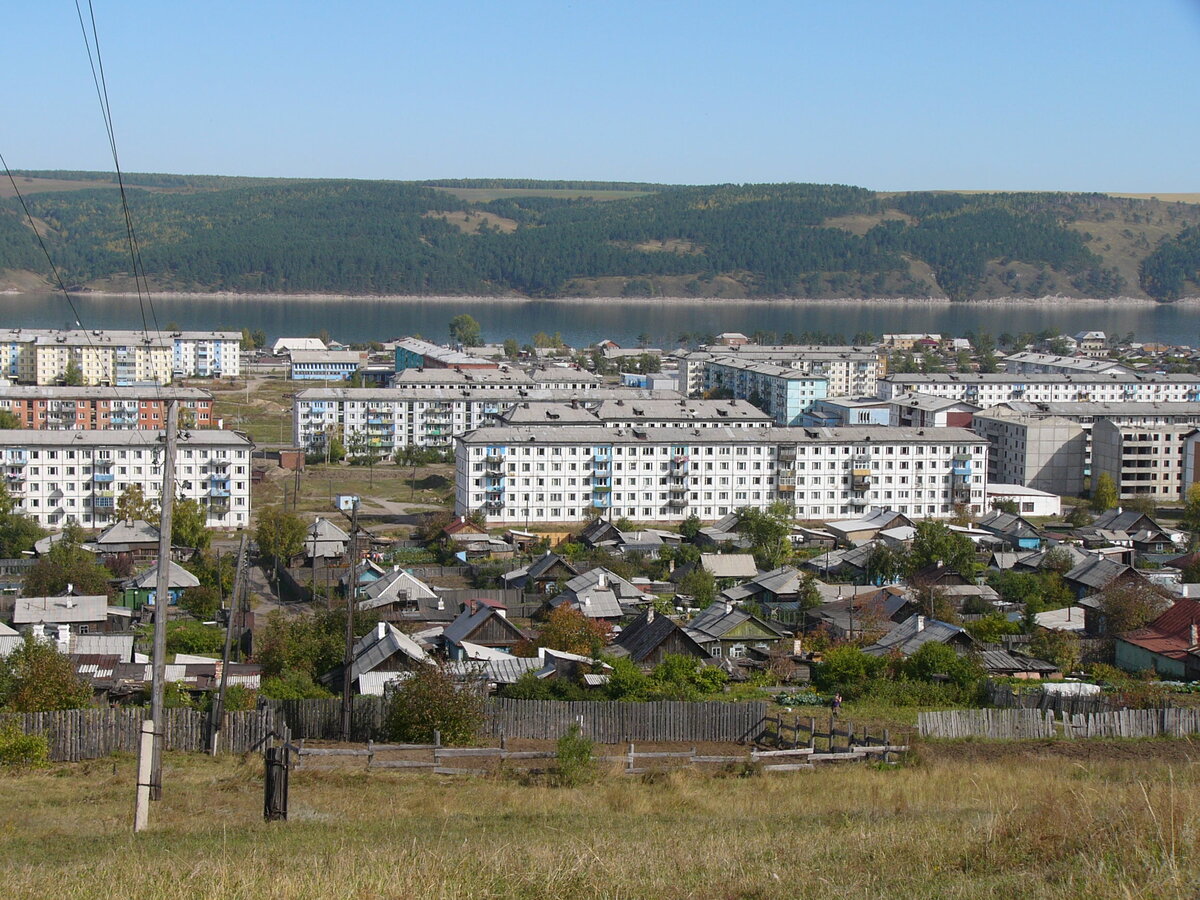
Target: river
(582, 322)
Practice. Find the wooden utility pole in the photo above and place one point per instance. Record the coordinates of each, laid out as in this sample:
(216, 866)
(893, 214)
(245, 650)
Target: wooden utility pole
(162, 596)
(348, 658)
(217, 716)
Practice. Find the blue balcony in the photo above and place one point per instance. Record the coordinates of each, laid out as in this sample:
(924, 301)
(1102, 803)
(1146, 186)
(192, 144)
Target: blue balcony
(602, 501)
(496, 488)
(217, 492)
(102, 477)
(961, 469)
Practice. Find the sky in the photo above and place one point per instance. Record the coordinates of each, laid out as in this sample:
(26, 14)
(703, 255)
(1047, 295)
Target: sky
(955, 94)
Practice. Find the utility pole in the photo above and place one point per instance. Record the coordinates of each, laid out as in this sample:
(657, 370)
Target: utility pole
(217, 716)
(162, 602)
(348, 658)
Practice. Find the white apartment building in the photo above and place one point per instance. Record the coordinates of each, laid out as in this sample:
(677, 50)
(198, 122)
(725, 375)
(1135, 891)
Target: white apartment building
(1029, 363)
(38, 356)
(76, 476)
(430, 417)
(850, 371)
(784, 393)
(986, 391)
(573, 473)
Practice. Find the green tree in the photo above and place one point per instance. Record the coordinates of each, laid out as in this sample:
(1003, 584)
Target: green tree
(680, 677)
(1127, 605)
(466, 331)
(35, 677)
(18, 532)
(259, 338)
(700, 585)
(511, 349)
(940, 659)
(189, 527)
(292, 686)
(432, 700)
(279, 535)
(247, 340)
(934, 542)
(9, 419)
(1104, 495)
(768, 532)
(310, 645)
(1191, 508)
(847, 669)
(1059, 647)
(73, 376)
(189, 636)
(133, 506)
(66, 563)
(200, 602)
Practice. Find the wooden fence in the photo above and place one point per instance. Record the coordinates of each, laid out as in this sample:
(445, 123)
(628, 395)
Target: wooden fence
(614, 722)
(605, 722)
(75, 734)
(1005, 697)
(827, 733)
(987, 723)
(480, 760)
(1013, 724)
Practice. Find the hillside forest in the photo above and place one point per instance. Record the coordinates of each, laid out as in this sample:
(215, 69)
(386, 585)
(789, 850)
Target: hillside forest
(556, 239)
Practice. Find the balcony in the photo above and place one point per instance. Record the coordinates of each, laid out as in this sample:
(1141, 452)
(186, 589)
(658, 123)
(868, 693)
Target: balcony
(494, 488)
(678, 488)
(102, 477)
(494, 503)
(679, 458)
(601, 489)
(216, 492)
(103, 501)
(17, 459)
(677, 502)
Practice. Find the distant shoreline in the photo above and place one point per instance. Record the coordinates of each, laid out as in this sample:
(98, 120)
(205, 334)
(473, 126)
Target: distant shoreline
(170, 296)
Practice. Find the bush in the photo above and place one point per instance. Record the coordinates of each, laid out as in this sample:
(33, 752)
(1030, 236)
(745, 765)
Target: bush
(292, 685)
(35, 677)
(575, 765)
(847, 670)
(22, 751)
(430, 700)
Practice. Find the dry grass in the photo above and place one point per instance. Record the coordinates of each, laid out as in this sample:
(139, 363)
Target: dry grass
(485, 195)
(1049, 828)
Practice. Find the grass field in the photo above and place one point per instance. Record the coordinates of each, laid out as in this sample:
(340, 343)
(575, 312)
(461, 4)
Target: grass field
(1018, 825)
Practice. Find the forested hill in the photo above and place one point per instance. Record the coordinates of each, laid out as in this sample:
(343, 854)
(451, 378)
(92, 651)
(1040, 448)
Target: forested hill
(549, 239)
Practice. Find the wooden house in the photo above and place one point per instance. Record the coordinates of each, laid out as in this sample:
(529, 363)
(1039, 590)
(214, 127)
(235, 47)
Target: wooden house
(384, 649)
(722, 630)
(1015, 530)
(486, 626)
(541, 575)
(1170, 645)
(649, 638)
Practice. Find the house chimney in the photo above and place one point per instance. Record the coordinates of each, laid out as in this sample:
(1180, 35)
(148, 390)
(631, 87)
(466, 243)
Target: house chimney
(649, 614)
(381, 630)
(64, 638)
(441, 603)
(920, 623)
(70, 589)
(1194, 640)
(602, 580)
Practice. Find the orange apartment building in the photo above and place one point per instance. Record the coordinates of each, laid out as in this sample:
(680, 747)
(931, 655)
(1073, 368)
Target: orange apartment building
(104, 408)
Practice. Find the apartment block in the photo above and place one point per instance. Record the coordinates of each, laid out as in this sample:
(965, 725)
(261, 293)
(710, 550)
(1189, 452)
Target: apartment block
(851, 371)
(986, 391)
(34, 356)
(572, 473)
(101, 408)
(59, 477)
(324, 365)
(783, 393)
(1143, 462)
(413, 353)
(392, 418)
(1050, 364)
(1048, 453)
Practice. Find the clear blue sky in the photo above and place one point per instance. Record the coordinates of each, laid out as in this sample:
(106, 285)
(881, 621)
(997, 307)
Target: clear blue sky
(888, 95)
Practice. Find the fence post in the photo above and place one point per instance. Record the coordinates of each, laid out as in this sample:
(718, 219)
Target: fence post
(275, 786)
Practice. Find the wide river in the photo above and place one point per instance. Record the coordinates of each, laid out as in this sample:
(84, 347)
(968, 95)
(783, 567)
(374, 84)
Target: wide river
(582, 322)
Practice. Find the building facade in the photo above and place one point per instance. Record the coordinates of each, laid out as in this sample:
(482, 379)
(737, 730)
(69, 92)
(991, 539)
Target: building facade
(1143, 462)
(1048, 453)
(986, 391)
(36, 356)
(58, 477)
(104, 408)
(574, 473)
(784, 394)
(851, 371)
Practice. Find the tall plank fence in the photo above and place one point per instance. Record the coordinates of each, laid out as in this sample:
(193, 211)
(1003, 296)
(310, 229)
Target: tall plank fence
(615, 722)
(75, 734)
(1015, 724)
(1005, 697)
(606, 722)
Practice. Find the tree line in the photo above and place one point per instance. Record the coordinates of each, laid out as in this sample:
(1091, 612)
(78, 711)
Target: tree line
(370, 237)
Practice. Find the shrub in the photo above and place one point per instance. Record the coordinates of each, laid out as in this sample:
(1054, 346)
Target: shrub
(575, 765)
(292, 685)
(847, 669)
(35, 677)
(22, 751)
(430, 700)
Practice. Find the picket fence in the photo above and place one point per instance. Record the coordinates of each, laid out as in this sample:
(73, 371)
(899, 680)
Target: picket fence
(606, 722)
(76, 734)
(1015, 724)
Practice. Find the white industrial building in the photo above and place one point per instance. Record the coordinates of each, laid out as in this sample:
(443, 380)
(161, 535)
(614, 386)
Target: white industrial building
(58, 477)
(574, 473)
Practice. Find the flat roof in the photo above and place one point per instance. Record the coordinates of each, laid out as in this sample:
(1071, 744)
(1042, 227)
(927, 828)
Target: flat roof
(585, 434)
(197, 437)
